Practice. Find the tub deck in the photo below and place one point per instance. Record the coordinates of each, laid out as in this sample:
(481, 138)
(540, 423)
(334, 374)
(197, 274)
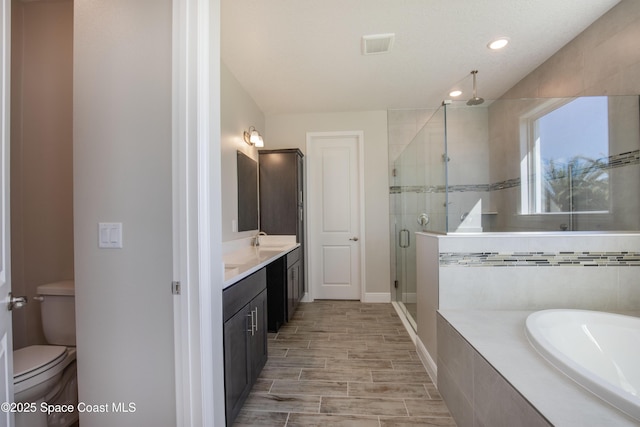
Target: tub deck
(499, 337)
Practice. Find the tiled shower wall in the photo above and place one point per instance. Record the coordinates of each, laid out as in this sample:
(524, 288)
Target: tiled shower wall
(623, 168)
(602, 60)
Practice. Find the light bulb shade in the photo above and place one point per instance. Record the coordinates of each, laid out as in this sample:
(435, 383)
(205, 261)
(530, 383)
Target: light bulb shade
(254, 137)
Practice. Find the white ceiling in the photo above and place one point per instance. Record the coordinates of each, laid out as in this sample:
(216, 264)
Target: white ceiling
(299, 56)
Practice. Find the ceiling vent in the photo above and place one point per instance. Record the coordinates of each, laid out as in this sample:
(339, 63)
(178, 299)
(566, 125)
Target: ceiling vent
(377, 43)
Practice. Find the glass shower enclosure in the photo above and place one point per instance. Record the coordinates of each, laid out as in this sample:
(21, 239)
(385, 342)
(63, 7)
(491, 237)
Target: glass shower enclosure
(418, 203)
(512, 165)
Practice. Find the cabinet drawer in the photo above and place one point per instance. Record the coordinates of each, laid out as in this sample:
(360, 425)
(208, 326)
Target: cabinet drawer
(237, 295)
(293, 257)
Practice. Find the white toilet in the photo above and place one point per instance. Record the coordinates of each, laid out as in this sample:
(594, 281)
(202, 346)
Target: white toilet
(47, 373)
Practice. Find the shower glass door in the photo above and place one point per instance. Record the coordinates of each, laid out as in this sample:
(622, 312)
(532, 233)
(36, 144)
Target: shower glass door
(418, 197)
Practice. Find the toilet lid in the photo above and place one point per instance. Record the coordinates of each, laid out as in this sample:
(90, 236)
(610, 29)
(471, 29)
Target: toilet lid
(36, 358)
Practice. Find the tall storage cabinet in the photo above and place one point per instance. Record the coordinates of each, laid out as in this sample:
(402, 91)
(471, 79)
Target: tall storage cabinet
(281, 208)
(281, 192)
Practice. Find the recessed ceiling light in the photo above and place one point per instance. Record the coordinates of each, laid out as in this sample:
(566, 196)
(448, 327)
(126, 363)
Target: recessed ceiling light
(498, 43)
(455, 93)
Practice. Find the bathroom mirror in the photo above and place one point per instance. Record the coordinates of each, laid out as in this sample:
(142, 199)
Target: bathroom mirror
(247, 193)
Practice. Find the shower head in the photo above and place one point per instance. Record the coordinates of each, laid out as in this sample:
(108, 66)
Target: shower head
(475, 100)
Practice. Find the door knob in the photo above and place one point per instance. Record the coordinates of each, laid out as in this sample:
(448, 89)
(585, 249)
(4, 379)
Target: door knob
(355, 239)
(16, 302)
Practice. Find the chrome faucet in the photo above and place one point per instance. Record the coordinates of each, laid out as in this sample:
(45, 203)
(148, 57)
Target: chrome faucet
(256, 239)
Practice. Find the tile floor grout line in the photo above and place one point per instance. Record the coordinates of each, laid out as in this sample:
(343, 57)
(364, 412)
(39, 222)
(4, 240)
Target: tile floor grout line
(323, 324)
(404, 401)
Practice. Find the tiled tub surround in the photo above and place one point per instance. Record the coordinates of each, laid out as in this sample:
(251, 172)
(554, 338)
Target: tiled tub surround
(522, 271)
(490, 375)
(344, 363)
(541, 259)
(539, 270)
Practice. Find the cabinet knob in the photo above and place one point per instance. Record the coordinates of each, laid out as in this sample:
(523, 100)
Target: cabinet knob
(355, 239)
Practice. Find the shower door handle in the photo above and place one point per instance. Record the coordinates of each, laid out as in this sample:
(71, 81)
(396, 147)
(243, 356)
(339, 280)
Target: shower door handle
(408, 240)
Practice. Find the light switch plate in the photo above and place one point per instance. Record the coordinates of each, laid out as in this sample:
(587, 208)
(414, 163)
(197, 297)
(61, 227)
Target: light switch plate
(110, 235)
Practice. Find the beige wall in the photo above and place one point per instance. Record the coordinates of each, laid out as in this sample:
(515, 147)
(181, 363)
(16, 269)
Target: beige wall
(41, 155)
(239, 112)
(123, 173)
(290, 130)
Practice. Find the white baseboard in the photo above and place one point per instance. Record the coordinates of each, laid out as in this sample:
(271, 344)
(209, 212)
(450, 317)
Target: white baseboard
(376, 297)
(369, 297)
(423, 354)
(427, 361)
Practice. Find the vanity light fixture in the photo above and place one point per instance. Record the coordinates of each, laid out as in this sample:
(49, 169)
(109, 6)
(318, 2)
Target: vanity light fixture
(498, 43)
(253, 137)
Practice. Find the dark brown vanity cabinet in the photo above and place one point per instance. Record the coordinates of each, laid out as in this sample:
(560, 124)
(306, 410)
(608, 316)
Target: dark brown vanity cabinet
(284, 288)
(295, 291)
(282, 213)
(245, 339)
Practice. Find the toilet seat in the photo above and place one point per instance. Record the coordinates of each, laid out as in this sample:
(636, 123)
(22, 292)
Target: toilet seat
(36, 360)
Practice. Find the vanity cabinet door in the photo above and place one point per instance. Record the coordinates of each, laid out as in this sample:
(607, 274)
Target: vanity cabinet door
(294, 279)
(277, 294)
(293, 289)
(245, 339)
(259, 339)
(237, 362)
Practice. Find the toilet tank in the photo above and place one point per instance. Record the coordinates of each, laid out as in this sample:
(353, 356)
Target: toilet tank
(58, 312)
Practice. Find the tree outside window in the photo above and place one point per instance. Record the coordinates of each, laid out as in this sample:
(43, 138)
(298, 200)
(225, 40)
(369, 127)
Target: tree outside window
(569, 152)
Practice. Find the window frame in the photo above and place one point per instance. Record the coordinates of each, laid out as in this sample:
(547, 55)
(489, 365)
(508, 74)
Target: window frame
(531, 176)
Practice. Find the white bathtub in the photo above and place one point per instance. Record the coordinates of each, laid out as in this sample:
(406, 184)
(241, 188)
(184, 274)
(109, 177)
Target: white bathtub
(600, 351)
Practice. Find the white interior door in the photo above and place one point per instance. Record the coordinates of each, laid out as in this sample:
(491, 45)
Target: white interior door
(334, 214)
(6, 346)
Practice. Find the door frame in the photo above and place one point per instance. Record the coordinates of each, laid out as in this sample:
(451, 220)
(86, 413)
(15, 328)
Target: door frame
(6, 343)
(197, 217)
(311, 218)
(196, 205)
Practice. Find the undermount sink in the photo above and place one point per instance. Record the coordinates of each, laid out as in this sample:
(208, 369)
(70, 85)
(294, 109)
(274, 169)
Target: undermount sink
(264, 254)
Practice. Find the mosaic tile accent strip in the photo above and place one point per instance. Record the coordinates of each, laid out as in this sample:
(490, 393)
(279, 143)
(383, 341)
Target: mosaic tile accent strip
(540, 259)
(509, 183)
(611, 162)
(623, 159)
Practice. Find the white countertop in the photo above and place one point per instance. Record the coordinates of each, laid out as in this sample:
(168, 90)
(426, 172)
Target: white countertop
(242, 262)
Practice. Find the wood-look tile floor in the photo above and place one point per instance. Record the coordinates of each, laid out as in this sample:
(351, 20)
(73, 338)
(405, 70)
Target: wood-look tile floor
(343, 363)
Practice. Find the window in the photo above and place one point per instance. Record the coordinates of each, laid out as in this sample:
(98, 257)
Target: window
(565, 167)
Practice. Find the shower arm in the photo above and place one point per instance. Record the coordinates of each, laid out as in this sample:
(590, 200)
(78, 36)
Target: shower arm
(475, 89)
